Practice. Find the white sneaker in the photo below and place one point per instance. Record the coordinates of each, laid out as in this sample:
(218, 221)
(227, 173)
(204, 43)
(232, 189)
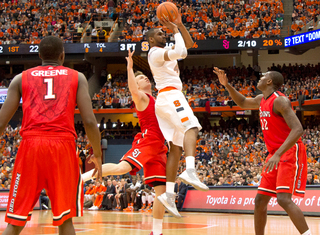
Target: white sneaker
(44, 206)
(93, 208)
(190, 176)
(168, 201)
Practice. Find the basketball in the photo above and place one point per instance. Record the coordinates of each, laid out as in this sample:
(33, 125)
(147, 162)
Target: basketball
(169, 10)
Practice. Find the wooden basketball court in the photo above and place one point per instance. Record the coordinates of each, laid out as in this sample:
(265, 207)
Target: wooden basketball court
(118, 223)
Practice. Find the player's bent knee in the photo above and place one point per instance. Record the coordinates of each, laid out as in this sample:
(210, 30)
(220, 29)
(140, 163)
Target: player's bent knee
(124, 167)
(284, 200)
(193, 129)
(261, 201)
(67, 222)
(174, 147)
(13, 229)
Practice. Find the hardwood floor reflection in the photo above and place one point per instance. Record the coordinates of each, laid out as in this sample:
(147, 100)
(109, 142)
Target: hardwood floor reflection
(121, 223)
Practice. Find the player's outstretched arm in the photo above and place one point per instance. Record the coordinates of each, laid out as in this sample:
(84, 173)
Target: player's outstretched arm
(11, 103)
(282, 106)
(180, 50)
(239, 99)
(140, 99)
(185, 34)
(90, 122)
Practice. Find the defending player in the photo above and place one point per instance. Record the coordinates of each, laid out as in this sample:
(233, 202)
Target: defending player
(285, 171)
(47, 154)
(148, 149)
(176, 119)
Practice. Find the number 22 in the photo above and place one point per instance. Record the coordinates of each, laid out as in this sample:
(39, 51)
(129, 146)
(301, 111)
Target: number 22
(49, 95)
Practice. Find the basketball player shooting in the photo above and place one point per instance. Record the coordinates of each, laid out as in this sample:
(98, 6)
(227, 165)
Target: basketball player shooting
(177, 122)
(47, 154)
(148, 149)
(285, 171)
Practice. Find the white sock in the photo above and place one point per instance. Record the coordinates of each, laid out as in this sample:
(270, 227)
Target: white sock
(150, 199)
(170, 187)
(157, 226)
(190, 162)
(143, 199)
(308, 232)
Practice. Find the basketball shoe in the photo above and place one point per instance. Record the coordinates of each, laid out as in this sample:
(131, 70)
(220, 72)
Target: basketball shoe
(189, 176)
(168, 201)
(142, 208)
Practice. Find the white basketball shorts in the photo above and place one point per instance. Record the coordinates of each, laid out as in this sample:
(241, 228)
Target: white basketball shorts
(175, 116)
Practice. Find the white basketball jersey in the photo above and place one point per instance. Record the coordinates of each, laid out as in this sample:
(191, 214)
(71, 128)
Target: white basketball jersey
(165, 73)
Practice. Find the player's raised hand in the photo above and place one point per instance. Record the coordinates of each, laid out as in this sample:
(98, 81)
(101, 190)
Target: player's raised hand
(178, 21)
(129, 59)
(221, 75)
(170, 25)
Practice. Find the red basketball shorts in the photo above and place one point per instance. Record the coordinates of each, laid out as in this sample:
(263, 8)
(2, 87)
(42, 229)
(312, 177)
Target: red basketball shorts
(151, 154)
(47, 162)
(291, 175)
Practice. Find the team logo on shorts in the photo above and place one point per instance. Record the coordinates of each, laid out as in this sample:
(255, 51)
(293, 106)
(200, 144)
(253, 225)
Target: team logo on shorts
(299, 184)
(136, 153)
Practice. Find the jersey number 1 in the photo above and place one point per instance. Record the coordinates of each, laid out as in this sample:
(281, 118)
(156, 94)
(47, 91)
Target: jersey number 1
(49, 95)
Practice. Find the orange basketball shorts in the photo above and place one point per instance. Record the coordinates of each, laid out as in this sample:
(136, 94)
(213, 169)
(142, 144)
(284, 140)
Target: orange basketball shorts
(291, 175)
(151, 154)
(49, 162)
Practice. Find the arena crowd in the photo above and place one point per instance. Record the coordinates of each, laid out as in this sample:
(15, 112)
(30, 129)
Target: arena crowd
(202, 87)
(24, 21)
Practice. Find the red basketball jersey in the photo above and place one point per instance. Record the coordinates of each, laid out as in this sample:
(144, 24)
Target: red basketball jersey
(274, 127)
(49, 96)
(148, 120)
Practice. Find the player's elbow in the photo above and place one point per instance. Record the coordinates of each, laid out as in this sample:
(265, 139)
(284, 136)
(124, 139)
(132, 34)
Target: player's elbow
(300, 130)
(184, 53)
(189, 45)
(89, 122)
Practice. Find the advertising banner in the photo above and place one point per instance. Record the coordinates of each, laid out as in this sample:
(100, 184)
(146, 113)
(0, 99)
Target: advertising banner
(4, 197)
(3, 95)
(241, 200)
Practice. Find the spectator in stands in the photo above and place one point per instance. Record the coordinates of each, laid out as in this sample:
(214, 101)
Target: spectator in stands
(89, 195)
(237, 180)
(94, 34)
(44, 200)
(131, 193)
(111, 5)
(102, 34)
(108, 197)
(310, 179)
(120, 196)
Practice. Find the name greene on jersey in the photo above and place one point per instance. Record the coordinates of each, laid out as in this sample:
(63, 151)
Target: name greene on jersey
(49, 73)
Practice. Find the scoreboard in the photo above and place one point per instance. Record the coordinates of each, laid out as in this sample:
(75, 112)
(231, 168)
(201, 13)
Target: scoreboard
(114, 47)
